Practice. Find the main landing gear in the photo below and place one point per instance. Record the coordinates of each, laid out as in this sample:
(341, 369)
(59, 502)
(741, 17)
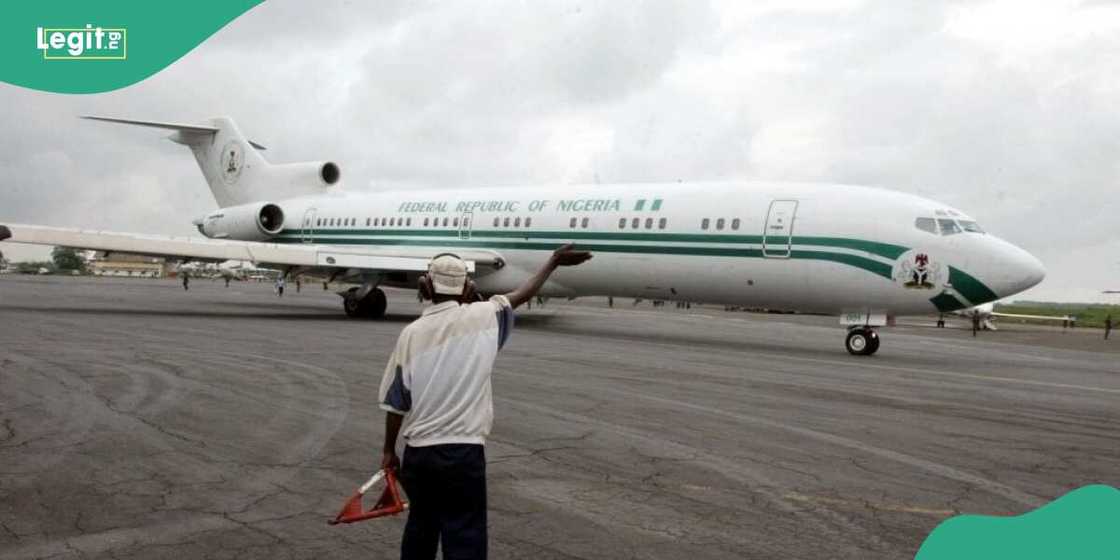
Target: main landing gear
(862, 341)
(371, 304)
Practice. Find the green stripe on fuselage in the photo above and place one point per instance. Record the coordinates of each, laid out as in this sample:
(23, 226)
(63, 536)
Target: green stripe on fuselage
(972, 289)
(873, 266)
(946, 303)
(885, 250)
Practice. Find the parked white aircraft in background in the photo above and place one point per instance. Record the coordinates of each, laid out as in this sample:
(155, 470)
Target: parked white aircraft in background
(861, 253)
(986, 314)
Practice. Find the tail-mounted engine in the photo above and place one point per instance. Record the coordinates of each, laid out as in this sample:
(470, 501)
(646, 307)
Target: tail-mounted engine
(248, 222)
(301, 175)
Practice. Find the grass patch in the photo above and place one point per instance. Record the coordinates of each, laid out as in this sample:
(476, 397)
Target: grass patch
(1087, 314)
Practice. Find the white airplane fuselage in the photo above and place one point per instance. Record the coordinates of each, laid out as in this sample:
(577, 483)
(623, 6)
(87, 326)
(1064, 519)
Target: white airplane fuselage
(862, 253)
(823, 248)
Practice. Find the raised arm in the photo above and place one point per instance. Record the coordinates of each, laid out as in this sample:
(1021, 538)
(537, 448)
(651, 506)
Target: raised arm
(564, 256)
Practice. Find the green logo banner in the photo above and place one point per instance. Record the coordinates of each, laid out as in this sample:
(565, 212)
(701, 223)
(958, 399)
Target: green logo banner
(74, 46)
(1082, 525)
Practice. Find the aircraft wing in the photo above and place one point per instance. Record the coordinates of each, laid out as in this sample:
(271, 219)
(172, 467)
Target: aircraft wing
(1038, 317)
(275, 255)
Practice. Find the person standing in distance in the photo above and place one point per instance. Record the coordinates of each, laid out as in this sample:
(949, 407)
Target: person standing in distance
(437, 398)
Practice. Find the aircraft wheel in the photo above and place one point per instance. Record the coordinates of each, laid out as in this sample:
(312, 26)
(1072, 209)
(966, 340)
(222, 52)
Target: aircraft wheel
(375, 304)
(862, 342)
(874, 347)
(351, 304)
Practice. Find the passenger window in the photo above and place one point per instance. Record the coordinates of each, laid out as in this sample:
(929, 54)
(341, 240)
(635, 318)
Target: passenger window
(517, 222)
(649, 223)
(583, 224)
(572, 222)
(392, 221)
(318, 222)
(426, 220)
(368, 220)
(735, 224)
(926, 224)
(719, 224)
(971, 227)
(528, 222)
(505, 222)
(445, 221)
(408, 222)
(635, 222)
(455, 222)
(497, 221)
(948, 227)
(661, 223)
(466, 222)
(622, 223)
(704, 223)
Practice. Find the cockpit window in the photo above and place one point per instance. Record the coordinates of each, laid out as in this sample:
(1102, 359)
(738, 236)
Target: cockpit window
(926, 224)
(948, 227)
(972, 227)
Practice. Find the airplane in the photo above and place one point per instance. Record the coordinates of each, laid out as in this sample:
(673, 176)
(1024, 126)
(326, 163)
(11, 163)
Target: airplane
(987, 315)
(864, 254)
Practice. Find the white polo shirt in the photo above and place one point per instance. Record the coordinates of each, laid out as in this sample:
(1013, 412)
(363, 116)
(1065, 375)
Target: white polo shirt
(439, 374)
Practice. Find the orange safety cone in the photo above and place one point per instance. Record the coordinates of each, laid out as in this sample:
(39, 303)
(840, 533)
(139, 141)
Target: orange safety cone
(390, 502)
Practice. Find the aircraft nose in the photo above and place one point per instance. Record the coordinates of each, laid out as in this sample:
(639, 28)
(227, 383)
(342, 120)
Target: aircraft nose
(1033, 271)
(1020, 270)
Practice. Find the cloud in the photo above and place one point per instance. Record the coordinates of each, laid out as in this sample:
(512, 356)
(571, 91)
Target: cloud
(1002, 109)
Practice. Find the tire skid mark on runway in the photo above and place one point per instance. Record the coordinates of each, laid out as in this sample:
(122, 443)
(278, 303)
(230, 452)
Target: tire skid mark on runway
(337, 414)
(755, 481)
(316, 391)
(861, 504)
(932, 467)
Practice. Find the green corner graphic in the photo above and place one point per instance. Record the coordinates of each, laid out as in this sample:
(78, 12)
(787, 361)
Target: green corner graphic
(1082, 525)
(106, 45)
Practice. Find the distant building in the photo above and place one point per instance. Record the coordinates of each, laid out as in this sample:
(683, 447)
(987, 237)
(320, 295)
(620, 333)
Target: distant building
(119, 264)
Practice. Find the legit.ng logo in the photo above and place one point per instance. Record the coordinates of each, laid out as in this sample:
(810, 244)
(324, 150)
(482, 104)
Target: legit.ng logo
(88, 43)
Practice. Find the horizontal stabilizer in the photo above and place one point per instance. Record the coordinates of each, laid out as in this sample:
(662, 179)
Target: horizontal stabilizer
(194, 128)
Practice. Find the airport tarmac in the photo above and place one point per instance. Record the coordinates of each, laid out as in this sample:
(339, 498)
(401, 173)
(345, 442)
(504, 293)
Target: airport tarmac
(138, 421)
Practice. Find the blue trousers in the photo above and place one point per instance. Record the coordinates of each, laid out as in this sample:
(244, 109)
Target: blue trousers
(446, 487)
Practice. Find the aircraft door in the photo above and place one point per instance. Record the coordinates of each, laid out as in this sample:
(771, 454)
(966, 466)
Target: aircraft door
(307, 231)
(465, 225)
(777, 234)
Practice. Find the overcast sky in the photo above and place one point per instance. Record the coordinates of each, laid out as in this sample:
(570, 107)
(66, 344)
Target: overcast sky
(1007, 110)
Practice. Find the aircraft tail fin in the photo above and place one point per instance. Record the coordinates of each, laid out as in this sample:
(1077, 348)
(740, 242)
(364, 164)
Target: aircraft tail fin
(233, 166)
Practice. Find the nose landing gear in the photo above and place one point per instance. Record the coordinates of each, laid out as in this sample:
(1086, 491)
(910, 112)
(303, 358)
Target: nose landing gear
(862, 341)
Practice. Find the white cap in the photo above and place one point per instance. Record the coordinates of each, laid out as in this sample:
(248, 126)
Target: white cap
(448, 274)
